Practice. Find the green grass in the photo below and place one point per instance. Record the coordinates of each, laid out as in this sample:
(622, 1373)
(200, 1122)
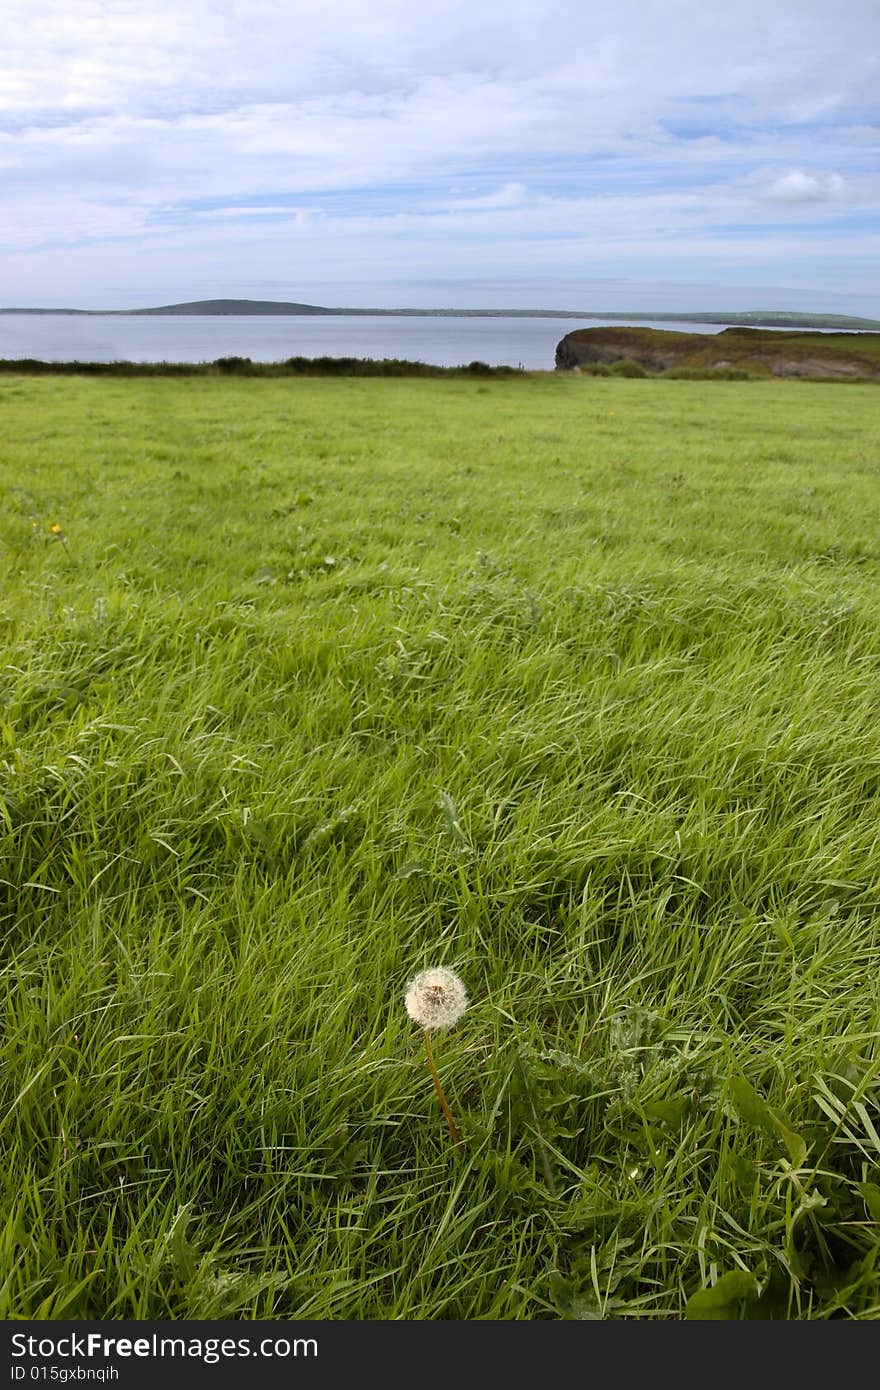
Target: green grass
(568, 684)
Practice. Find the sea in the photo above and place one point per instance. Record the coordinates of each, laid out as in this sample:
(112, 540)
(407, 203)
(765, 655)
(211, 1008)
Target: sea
(441, 341)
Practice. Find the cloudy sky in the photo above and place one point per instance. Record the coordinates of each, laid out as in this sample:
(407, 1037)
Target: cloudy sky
(582, 154)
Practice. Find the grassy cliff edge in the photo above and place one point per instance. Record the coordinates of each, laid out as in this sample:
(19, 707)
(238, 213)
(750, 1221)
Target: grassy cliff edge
(741, 352)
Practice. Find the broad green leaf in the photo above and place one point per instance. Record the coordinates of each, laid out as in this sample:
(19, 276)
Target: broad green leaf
(570, 1303)
(794, 1143)
(413, 868)
(184, 1260)
(720, 1303)
(670, 1112)
(871, 1194)
(757, 1113)
(745, 1173)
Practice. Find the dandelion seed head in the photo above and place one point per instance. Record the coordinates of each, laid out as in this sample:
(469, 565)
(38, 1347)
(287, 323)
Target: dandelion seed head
(436, 998)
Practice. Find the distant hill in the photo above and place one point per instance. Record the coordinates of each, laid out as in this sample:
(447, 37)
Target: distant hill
(249, 307)
(204, 308)
(756, 318)
(738, 352)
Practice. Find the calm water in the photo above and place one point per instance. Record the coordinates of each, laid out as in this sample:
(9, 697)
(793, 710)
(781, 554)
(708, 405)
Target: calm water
(443, 342)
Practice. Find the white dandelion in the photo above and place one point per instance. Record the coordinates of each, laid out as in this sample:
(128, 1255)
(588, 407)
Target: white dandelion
(436, 999)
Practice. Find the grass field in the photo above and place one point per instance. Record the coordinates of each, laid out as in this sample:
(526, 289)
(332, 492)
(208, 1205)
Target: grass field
(569, 684)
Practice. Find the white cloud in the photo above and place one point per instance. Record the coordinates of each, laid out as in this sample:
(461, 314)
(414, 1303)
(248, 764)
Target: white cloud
(802, 186)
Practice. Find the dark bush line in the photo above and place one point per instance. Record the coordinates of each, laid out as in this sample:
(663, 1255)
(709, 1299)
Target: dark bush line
(243, 366)
(378, 367)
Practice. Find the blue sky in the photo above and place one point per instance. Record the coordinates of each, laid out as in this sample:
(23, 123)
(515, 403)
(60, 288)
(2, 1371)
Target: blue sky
(641, 154)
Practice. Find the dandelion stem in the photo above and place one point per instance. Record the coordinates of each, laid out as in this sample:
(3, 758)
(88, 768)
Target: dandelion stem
(441, 1095)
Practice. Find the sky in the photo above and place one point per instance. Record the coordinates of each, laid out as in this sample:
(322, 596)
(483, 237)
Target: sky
(607, 155)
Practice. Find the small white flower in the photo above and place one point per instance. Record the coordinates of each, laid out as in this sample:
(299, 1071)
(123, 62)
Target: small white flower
(436, 999)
